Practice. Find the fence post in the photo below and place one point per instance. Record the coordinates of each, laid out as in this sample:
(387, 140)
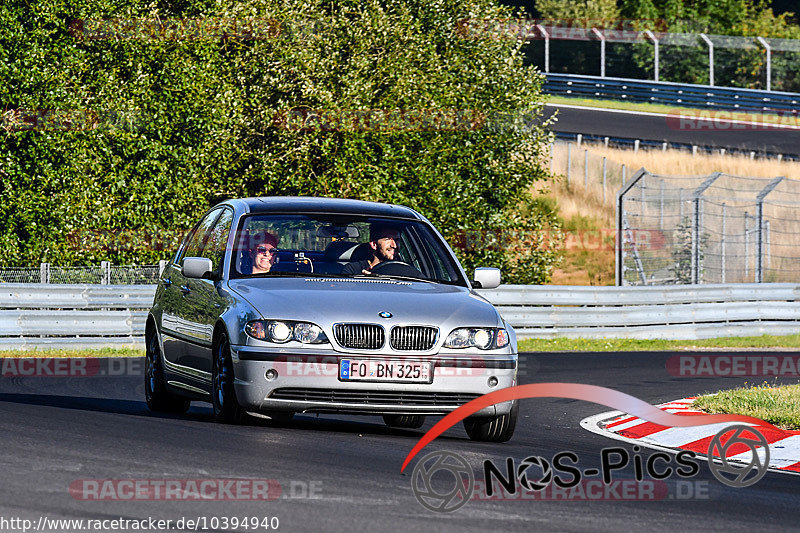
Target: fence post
(710, 58)
(767, 253)
(597, 33)
(604, 181)
(746, 246)
(697, 267)
(44, 273)
(105, 272)
(760, 226)
(768, 48)
(653, 38)
(661, 205)
(586, 169)
(722, 242)
(546, 37)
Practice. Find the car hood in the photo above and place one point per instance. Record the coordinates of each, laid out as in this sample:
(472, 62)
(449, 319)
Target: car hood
(326, 301)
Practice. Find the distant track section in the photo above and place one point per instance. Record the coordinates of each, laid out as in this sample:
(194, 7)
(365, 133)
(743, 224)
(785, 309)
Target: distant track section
(654, 127)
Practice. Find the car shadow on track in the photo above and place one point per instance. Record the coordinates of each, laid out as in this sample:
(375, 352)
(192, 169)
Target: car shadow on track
(198, 412)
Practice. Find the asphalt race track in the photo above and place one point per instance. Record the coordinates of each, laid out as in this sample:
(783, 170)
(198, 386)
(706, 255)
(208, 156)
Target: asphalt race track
(59, 430)
(657, 127)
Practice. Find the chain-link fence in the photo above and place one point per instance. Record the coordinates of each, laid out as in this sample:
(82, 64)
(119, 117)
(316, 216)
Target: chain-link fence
(708, 229)
(105, 274)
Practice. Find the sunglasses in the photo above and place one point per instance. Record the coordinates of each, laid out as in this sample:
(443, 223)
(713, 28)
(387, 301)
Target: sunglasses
(263, 250)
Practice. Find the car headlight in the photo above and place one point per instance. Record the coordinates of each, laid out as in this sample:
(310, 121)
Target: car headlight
(482, 338)
(282, 331)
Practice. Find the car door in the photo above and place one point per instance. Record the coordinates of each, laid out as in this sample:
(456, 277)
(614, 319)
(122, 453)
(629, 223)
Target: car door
(203, 302)
(178, 329)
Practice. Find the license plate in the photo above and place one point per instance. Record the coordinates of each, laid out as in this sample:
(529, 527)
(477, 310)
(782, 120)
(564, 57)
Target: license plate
(382, 370)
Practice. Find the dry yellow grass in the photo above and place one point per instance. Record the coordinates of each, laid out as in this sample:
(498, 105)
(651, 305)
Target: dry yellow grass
(679, 163)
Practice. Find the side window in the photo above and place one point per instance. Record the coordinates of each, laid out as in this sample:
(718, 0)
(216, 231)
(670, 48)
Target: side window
(218, 240)
(195, 245)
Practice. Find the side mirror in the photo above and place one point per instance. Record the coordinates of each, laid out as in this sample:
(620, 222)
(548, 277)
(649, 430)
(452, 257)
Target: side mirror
(487, 278)
(196, 267)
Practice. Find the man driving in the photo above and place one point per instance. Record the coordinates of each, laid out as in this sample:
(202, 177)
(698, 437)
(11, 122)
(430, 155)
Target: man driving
(383, 241)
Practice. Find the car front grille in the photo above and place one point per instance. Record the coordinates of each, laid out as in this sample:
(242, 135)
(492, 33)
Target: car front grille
(373, 397)
(359, 336)
(418, 338)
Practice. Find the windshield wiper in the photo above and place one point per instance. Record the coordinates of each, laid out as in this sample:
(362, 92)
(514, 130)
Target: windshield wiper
(404, 278)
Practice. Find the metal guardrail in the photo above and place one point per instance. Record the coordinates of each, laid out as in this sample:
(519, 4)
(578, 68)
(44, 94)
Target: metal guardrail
(679, 94)
(77, 316)
(675, 312)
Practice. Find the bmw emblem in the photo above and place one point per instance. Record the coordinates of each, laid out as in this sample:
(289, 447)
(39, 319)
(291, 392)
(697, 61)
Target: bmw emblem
(385, 314)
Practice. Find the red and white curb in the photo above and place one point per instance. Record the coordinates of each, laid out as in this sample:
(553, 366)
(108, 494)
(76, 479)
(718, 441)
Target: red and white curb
(784, 445)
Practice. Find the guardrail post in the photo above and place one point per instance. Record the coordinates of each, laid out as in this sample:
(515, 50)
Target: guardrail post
(768, 48)
(653, 38)
(664, 146)
(586, 169)
(605, 141)
(760, 225)
(569, 161)
(579, 138)
(546, 46)
(105, 272)
(44, 272)
(162, 265)
(710, 58)
(636, 146)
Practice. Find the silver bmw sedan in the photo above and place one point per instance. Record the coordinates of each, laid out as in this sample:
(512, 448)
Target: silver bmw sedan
(278, 306)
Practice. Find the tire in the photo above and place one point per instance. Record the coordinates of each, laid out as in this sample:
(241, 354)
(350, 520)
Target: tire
(223, 395)
(404, 421)
(493, 429)
(158, 398)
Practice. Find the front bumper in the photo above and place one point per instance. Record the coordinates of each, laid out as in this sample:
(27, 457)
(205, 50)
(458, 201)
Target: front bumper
(310, 383)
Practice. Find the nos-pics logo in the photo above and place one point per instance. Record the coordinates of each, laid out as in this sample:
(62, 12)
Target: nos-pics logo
(444, 481)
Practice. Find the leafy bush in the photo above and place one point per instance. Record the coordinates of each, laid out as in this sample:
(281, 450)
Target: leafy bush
(195, 121)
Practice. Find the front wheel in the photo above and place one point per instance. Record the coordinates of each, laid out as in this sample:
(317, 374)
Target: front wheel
(155, 390)
(223, 396)
(493, 429)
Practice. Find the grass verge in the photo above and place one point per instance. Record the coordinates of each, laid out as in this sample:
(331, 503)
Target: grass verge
(779, 406)
(93, 352)
(634, 345)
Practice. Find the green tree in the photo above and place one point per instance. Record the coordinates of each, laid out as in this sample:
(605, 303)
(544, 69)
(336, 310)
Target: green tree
(209, 122)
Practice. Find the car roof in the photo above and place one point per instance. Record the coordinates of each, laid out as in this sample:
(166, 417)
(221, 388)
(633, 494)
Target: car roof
(307, 204)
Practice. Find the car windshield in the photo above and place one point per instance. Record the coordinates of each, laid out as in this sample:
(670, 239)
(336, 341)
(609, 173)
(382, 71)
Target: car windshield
(341, 246)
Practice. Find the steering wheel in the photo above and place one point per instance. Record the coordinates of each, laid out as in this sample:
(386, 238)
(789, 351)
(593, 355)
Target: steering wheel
(397, 268)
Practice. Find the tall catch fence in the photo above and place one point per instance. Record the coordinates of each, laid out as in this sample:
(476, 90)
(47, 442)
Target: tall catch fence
(104, 274)
(708, 229)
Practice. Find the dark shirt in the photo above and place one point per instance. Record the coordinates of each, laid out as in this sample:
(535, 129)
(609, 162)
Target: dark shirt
(355, 267)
